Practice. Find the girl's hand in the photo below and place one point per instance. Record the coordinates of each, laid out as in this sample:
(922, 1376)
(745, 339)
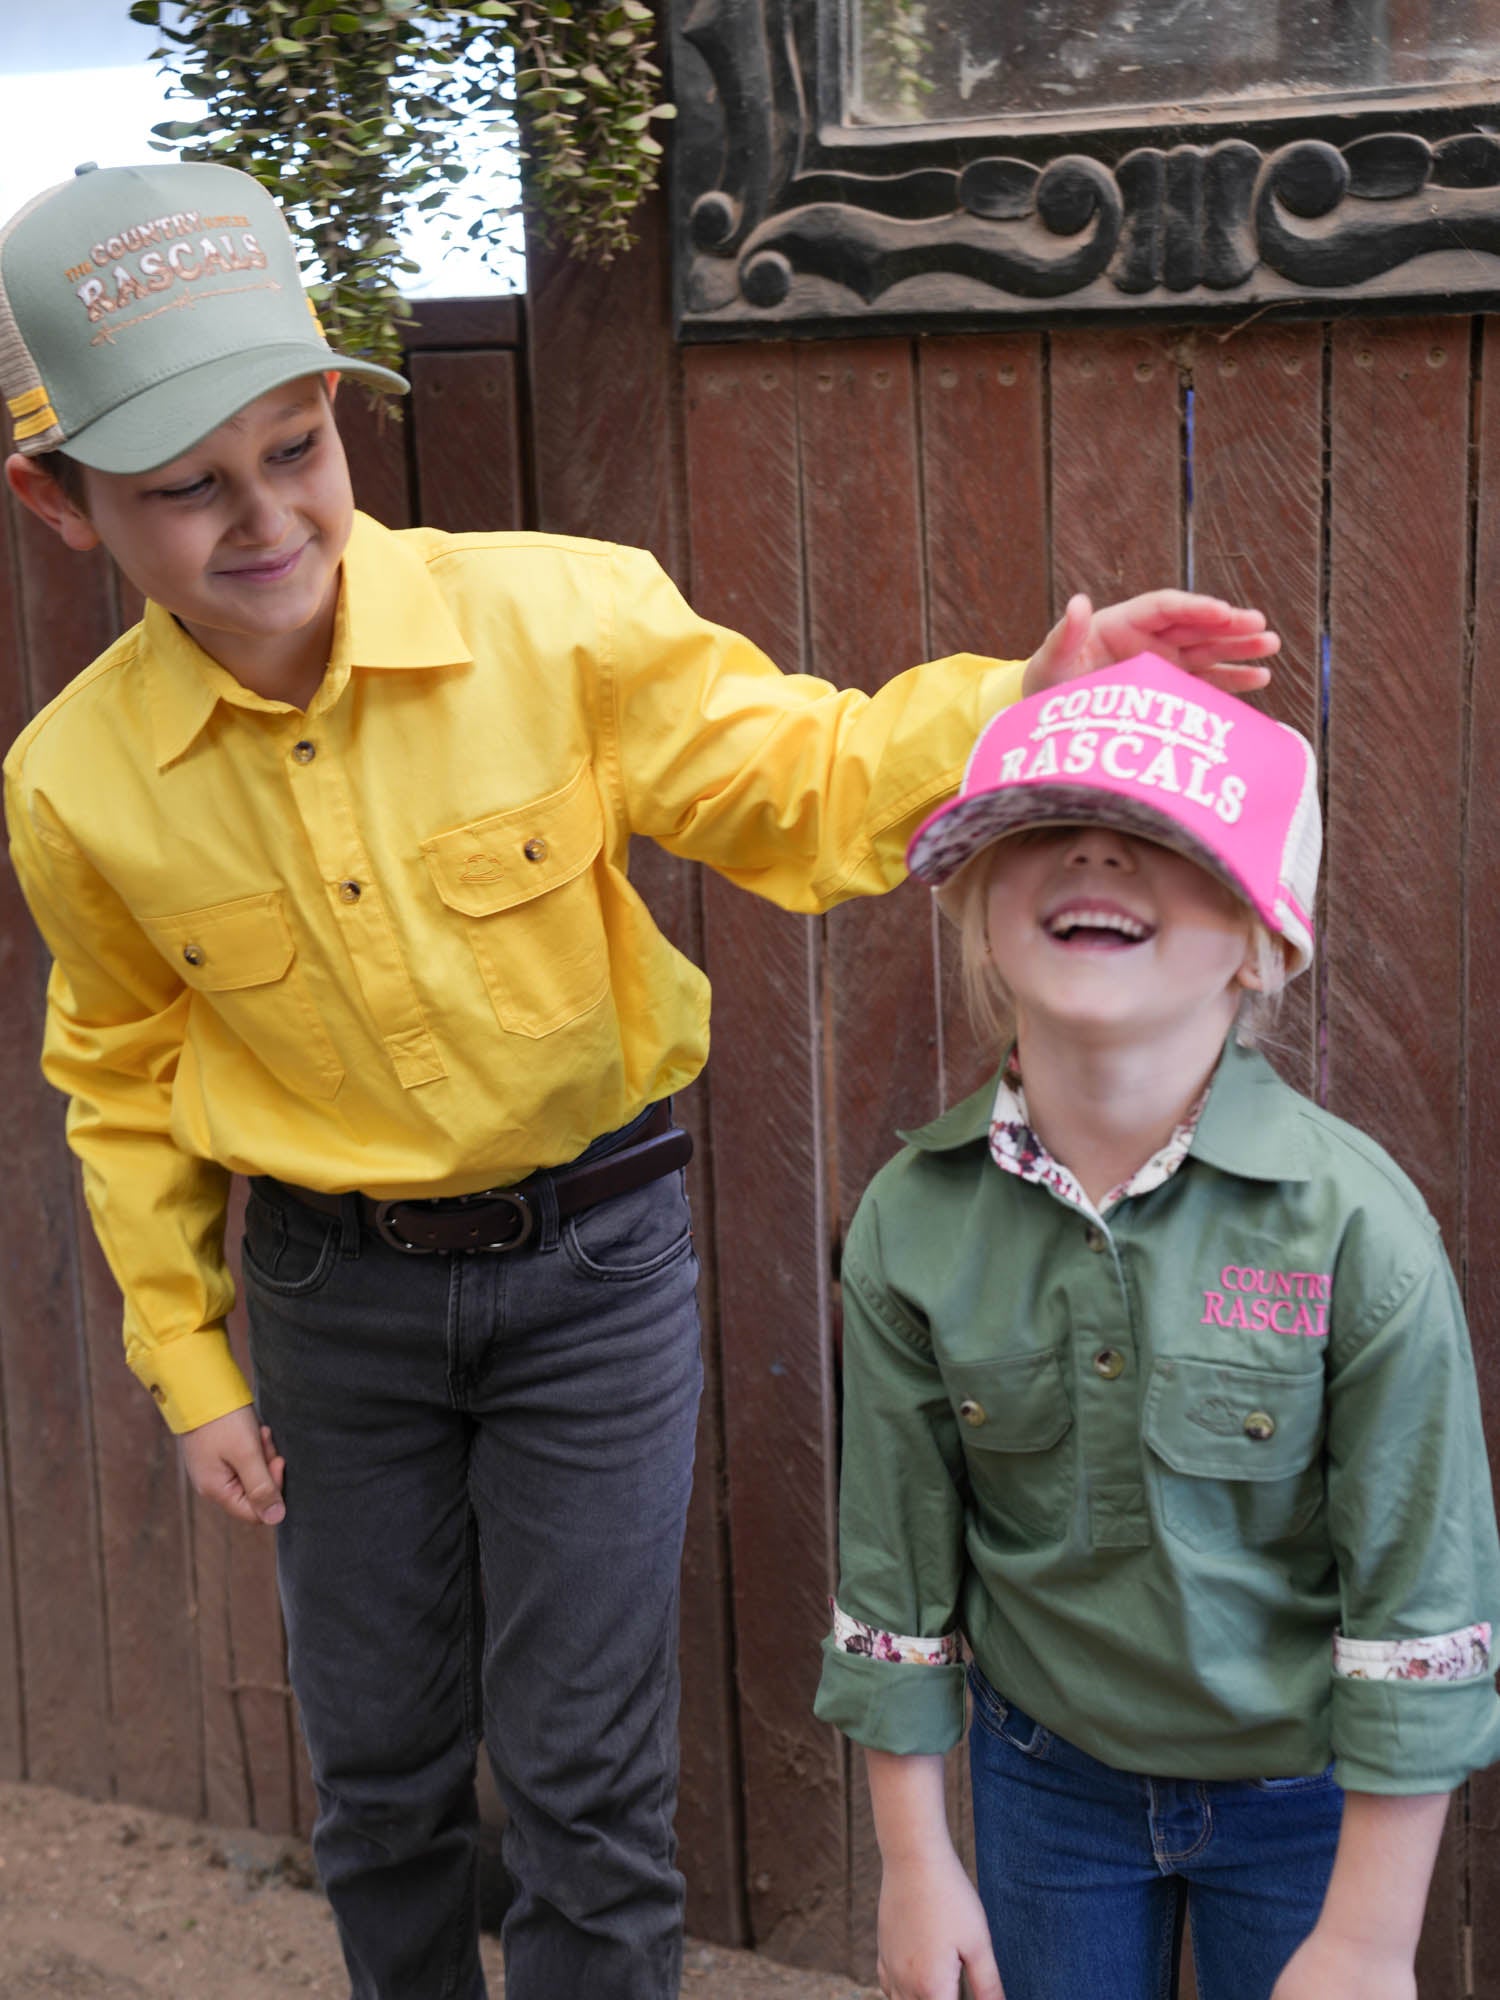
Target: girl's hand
(1202, 635)
(1328, 1966)
(233, 1461)
(932, 1930)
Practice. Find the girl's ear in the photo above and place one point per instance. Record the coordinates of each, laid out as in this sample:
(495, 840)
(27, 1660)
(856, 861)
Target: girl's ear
(1263, 968)
(41, 495)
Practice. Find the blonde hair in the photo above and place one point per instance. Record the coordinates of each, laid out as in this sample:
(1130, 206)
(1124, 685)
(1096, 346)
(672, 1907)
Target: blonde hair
(964, 899)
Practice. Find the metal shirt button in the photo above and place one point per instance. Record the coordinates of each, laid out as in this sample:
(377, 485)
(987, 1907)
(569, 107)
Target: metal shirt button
(349, 892)
(1094, 1237)
(193, 953)
(973, 1413)
(304, 752)
(1259, 1425)
(1109, 1362)
(535, 849)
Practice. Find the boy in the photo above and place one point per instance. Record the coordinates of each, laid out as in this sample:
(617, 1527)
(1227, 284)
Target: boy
(330, 852)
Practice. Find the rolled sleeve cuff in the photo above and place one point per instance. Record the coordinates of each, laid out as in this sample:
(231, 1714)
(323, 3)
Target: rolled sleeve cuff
(1409, 1737)
(192, 1379)
(912, 1710)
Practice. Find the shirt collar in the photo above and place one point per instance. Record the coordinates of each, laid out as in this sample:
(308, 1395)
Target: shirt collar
(1248, 1126)
(391, 618)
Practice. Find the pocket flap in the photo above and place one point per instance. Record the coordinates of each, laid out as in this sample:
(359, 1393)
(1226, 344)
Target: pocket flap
(1217, 1421)
(228, 945)
(1019, 1403)
(493, 864)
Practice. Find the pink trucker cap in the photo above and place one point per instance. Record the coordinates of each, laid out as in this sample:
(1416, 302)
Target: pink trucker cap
(1156, 752)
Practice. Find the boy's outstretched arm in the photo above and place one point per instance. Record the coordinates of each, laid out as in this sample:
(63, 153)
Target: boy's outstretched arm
(1363, 1946)
(1203, 635)
(931, 1929)
(233, 1461)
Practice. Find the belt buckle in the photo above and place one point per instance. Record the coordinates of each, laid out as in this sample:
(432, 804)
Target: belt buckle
(519, 1205)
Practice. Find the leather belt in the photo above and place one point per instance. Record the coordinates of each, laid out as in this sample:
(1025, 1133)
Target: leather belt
(499, 1219)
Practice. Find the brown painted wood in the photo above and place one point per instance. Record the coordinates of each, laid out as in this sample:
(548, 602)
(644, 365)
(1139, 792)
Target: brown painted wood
(376, 431)
(606, 452)
(857, 406)
(466, 423)
(1398, 542)
(1256, 538)
(153, 1641)
(1116, 457)
(67, 615)
(985, 522)
(499, 322)
(1482, 1162)
(605, 390)
(769, 1161)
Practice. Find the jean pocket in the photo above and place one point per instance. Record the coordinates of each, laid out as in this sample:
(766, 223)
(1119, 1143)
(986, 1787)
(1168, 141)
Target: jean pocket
(287, 1253)
(1002, 1719)
(1303, 1784)
(633, 1235)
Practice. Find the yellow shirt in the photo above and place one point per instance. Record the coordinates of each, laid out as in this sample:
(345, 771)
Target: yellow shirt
(389, 942)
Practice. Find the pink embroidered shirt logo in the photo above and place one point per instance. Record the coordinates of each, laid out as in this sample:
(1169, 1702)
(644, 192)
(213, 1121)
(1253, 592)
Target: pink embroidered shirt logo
(1155, 752)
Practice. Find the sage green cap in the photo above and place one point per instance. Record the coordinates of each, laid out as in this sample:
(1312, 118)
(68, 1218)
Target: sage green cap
(142, 306)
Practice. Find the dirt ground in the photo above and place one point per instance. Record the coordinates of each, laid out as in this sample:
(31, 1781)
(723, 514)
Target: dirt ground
(108, 1902)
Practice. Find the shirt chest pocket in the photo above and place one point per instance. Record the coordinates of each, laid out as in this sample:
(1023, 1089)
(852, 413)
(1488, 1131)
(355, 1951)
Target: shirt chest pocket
(1235, 1453)
(1013, 1422)
(523, 882)
(240, 958)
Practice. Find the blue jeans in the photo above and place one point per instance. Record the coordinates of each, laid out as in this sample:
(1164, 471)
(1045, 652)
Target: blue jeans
(528, 1418)
(1086, 1873)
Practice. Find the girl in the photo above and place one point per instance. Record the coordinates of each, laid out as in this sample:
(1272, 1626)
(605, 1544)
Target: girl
(1157, 1396)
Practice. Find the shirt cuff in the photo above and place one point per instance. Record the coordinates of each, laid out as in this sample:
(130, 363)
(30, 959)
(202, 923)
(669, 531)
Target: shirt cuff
(193, 1379)
(1447, 1656)
(890, 1705)
(853, 1635)
(1406, 1736)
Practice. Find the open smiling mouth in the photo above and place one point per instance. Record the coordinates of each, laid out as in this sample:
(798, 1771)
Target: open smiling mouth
(1100, 930)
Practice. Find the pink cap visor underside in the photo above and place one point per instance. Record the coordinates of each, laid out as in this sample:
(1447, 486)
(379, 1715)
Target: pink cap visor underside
(1195, 768)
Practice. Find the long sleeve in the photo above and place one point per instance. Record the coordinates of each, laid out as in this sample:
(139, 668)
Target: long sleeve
(788, 786)
(1413, 1525)
(115, 1022)
(901, 1556)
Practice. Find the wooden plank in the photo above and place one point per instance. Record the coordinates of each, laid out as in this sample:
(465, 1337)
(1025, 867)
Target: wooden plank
(29, 1130)
(376, 431)
(606, 448)
(153, 1643)
(1399, 456)
(772, 1252)
(984, 508)
(66, 617)
(857, 409)
(1482, 1159)
(1117, 460)
(605, 388)
(466, 438)
(498, 322)
(1256, 511)
(247, 1726)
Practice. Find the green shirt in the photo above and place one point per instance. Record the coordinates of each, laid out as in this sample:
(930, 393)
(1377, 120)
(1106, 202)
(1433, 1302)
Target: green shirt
(1203, 1485)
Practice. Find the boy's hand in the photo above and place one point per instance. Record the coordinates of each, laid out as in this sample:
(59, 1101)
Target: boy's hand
(233, 1462)
(932, 1930)
(1202, 635)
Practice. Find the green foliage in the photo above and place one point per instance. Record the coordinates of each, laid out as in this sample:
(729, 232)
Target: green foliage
(349, 111)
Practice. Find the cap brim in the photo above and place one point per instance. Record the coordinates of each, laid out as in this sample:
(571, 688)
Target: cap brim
(164, 421)
(955, 833)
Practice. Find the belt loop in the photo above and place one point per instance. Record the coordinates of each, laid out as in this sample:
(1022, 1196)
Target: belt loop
(544, 1201)
(349, 1225)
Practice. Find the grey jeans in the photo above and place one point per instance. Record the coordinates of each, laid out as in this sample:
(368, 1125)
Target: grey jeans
(528, 1418)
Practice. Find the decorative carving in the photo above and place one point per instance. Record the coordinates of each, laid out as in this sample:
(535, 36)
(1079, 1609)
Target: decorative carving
(784, 217)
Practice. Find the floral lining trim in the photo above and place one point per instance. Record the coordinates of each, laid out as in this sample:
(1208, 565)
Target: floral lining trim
(1015, 1147)
(1450, 1656)
(853, 1635)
